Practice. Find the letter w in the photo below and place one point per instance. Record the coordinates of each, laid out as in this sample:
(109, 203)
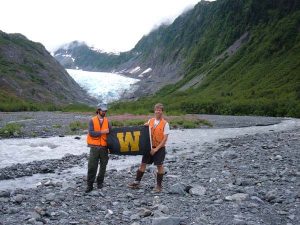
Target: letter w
(128, 143)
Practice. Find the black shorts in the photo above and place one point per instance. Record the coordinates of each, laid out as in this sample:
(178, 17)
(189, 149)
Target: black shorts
(158, 158)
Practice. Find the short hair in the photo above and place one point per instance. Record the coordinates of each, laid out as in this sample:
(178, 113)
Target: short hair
(160, 106)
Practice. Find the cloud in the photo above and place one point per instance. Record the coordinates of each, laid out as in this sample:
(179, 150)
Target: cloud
(115, 25)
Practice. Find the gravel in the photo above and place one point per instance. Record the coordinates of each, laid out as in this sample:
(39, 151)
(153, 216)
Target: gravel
(252, 179)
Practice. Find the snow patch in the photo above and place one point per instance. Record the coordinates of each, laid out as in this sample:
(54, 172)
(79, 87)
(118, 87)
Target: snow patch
(144, 72)
(147, 71)
(136, 69)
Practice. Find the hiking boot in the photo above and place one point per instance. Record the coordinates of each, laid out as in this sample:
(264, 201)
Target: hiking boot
(88, 189)
(134, 185)
(159, 179)
(157, 189)
(99, 185)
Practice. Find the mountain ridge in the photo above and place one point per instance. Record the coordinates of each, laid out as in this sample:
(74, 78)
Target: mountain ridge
(225, 57)
(29, 74)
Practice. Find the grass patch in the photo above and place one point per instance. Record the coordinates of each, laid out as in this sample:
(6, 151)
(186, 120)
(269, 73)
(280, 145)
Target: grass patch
(56, 126)
(11, 129)
(125, 123)
(188, 123)
(174, 121)
(77, 126)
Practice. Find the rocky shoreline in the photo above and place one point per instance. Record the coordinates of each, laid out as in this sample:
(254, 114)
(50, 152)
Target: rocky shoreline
(252, 179)
(49, 124)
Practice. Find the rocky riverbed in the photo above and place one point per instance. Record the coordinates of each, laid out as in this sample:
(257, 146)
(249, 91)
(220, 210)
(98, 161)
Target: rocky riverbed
(49, 124)
(250, 179)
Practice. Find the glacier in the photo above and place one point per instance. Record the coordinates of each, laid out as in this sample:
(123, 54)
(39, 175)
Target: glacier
(105, 87)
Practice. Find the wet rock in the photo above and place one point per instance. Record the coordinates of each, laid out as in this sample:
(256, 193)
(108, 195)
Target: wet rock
(136, 202)
(164, 209)
(46, 169)
(143, 212)
(229, 155)
(127, 213)
(13, 210)
(129, 195)
(197, 190)
(19, 198)
(271, 195)
(177, 189)
(39, 210)
(35, 215)
(237, 197)
(50, 197)
(134, 217)
(257, 199)
(5, 194)
(135, 223)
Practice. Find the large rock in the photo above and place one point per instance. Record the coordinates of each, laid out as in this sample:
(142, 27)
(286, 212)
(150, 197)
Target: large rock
(19, 198)
(4, 194)
(177, 189)
(237, 197)
(170, 220)
(271, 195)
(197, 190)
(143, 212)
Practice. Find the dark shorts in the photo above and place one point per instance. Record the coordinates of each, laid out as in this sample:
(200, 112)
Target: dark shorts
(158, 158)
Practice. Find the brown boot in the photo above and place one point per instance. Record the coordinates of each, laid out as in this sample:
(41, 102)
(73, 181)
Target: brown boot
(136, 183)
(159, 179)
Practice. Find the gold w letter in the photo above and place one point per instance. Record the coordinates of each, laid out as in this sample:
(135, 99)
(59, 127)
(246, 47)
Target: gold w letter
(128, 143)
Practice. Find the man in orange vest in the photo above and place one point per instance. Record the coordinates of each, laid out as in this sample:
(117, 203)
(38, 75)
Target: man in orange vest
(96, 139)
(160, 130)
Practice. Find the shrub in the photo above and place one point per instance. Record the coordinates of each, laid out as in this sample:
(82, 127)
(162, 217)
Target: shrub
(11, 129)
(78, 125)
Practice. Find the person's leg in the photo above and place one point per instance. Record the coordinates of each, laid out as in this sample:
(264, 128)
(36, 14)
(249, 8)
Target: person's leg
(139, 175)
(159, 178)
(160, 169)
(147, 159)
(92, 168)
(158, 159)
(142, 167)
(102, 169)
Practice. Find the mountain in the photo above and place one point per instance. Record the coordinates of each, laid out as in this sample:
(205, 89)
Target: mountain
(226, 56)
(30, 76)
(78, 55)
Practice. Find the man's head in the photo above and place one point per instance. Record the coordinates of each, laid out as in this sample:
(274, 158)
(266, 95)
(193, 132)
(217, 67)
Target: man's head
(101, 109)
(158, 110)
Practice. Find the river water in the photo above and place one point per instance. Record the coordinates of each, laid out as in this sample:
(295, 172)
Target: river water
(14, 151)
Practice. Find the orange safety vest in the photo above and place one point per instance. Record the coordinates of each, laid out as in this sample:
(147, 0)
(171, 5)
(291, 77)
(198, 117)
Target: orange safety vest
(101, 140)
(157, 133)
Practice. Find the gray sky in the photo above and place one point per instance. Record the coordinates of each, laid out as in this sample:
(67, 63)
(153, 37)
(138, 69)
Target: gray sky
(110, 25)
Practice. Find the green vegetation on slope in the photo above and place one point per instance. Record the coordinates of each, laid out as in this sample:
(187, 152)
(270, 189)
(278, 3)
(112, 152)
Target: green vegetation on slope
(31, 79)
(261, 78)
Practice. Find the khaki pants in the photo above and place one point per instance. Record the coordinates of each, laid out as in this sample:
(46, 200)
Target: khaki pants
(96, 155)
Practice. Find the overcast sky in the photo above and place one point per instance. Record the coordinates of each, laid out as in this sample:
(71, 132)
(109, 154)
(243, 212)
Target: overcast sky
(110, 25)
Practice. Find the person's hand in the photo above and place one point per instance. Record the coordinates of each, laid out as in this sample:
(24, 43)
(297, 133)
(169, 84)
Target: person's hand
(146, 124)
(153, 151)
(106, 131)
